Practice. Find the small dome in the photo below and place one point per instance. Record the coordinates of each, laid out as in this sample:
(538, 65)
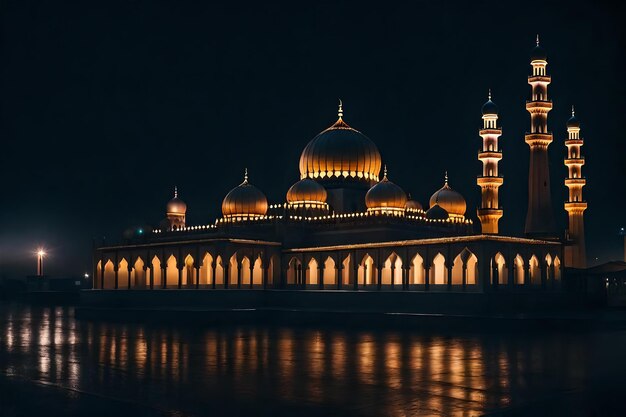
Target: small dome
(538, 53)
(573, 121)
(413, 205)
(307, 191)
(385, 195)
(244, 201)
(490, 107)
(450, 200)
(340, 152)
(437, 212)
(176, 205)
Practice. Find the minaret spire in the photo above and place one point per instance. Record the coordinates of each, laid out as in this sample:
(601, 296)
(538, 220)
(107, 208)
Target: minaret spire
(575, 206)
(489, 212)
(540, 221)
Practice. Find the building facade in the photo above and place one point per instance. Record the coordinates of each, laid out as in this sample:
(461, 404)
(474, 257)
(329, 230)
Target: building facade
(343, 227)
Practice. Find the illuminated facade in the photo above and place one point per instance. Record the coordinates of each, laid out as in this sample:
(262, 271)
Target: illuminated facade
(540, 216)
(575, 254)
(342, 227)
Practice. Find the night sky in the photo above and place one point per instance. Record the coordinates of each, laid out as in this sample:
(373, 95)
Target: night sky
(105, 106)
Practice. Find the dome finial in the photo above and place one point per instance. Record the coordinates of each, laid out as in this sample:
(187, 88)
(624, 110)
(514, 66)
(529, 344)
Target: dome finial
(572, 110)
(385, 172)
(537, 39)
(446, 178)
(175, 191)
(245, 175)
(489, 95)
(340, 112)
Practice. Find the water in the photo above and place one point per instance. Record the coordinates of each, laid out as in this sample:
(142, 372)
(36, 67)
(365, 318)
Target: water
(50, 361)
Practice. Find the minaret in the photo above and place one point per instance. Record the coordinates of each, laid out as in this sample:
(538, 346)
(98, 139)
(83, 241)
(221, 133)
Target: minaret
(540, 216)
(490, 211)
(575, 255)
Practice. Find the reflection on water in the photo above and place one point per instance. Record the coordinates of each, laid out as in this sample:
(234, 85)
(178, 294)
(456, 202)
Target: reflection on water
(193, 370)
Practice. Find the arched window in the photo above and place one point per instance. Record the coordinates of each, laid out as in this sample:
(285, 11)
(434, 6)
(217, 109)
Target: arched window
(206, 270)
(367, 272)
(138, 275)
(312, 273)
(109, 275)
(157, 279)
(122, 275)
(171, 273)
(257, 272)
(416, 271)
(519, 270)
(535, 273)
(438, 270)
(329, 272)
(292, 271)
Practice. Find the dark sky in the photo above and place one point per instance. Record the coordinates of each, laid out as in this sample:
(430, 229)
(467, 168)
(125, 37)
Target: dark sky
(105, 106)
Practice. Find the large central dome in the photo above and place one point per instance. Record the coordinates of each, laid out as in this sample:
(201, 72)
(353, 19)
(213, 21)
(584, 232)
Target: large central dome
(340, 152)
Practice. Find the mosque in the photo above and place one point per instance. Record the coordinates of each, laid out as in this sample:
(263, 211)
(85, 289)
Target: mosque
(343, 227)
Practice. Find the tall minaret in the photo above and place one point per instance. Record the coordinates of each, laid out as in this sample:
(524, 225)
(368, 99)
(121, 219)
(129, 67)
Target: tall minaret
(575, 255)
(489, 211)
(540, 216)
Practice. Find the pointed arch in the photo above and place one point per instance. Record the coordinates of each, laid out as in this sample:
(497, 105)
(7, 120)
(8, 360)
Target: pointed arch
(189, 271)
(233, 271)
(457, 270)
(471, 267)
(392, 270)
(330, 272)
(206, 269)
(273, 272)
(549, 267)
(346, 271)
(138, 274)
(219, 271)
(519, 270)
(499, 262)
(557, 268)
(367, 272)
(257, 271)
(109, 275)
(535, 272)
(312, 272)
(292, 271)
(122, 275)
(417, 272)
(438, 270)
(96, 279)
(245, 272)
(171, 272)
(157, 279)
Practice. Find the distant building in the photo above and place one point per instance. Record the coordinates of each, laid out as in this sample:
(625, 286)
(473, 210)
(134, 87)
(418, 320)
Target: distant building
(342, 227)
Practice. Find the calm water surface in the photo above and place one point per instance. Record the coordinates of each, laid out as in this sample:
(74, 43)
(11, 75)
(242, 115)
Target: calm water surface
(51, 363)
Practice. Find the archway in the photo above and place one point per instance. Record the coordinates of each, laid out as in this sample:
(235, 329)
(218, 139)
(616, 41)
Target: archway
(417, 272)
(549, 273)
(98, 276)
(109, 275)
(535, 273)
(346, 271)
(519, 270)
(502, 270)
(219, 271)
(292, 271)
(257, 272)
(438, 270)
(471, 267)
(138, 275)
(245, 272)
(189, 272)
(330, 273)
(457, 270)
(206, 270)
(367, 271)
(557, 268)
(171, 273)
(122, 275)
(156, 273)
(312, 273)
(233, 271)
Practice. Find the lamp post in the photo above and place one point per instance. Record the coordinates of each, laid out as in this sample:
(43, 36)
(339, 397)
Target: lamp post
(622, 232)
(40, 255)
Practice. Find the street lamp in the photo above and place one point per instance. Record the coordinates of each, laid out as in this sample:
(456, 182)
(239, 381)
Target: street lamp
(40, 255)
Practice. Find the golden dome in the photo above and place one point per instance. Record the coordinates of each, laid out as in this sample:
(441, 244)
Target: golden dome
(176, 206)
(450, 200)
(340, 152)
(413, 205)
(307, 191)
(385, 196)
(244, 202)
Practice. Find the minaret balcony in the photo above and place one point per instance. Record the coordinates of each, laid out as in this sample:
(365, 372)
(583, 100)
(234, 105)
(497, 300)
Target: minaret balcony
(532, 79)
(575, 161)
(573, 142)
(575, 206)
(540, 139)
(538, 106)
(493, 155)
(575, 181)
(490, 131)
(486, 181)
